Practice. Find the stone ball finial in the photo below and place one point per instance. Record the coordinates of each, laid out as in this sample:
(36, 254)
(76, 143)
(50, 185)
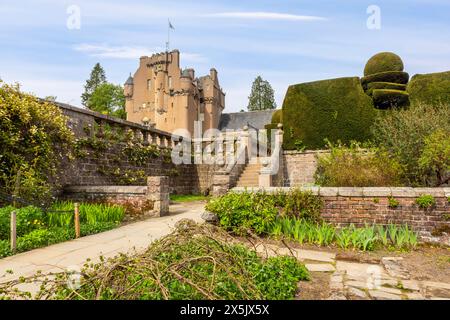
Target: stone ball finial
(245, 128)
(383, 62)
(280, 126)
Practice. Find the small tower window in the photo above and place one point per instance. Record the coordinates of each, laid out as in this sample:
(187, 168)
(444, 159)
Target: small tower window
(149, 84)
(170, 82)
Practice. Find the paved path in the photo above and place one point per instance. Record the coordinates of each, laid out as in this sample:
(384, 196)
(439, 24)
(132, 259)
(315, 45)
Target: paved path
(70, 254)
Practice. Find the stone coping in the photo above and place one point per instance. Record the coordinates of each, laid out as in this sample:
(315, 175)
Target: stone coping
(404, 192)
(112, 119)
(107, 189)
(295, 152)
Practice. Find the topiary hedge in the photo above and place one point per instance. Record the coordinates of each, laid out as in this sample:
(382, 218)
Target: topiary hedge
(277, 117)
(382, 62)
(384, 85)
(432, 88)
(335, 109)
(399, 77)
(387, 98)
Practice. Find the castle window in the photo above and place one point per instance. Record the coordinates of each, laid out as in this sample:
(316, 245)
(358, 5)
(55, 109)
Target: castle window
(170, 82)
(149, 84)
(144, 105)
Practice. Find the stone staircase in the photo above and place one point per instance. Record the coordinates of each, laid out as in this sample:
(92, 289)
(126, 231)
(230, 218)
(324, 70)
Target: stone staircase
(249, 176)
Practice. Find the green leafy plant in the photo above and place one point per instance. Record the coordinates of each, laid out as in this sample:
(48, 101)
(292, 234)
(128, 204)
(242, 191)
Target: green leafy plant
(357, 166)
(425, 201)
(393, 203)
(34, 136)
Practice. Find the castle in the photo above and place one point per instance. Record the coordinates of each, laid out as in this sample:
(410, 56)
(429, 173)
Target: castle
(163, 96)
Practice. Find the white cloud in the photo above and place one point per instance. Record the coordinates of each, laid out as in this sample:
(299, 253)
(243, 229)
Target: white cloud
(265, 16)
(129, 52)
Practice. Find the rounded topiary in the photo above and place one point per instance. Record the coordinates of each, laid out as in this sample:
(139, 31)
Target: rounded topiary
(277, 116)
(399, 77)
(384, 85)
(383, 62)
(386, 98)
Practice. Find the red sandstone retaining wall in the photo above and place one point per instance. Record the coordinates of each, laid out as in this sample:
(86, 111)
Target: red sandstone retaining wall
(358, 206)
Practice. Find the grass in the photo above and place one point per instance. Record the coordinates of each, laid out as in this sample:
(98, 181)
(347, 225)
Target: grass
(365, 239)
(187, 197)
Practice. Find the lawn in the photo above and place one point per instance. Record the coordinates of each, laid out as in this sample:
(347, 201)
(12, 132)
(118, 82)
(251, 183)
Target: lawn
(187, 197)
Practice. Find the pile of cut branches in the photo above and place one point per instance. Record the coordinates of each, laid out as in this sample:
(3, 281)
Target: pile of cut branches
(193, 262)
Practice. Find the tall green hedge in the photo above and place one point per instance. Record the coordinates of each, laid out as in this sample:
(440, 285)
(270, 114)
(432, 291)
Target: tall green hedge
(399, 77)
(384, 85)
(388, 98)
(336, 109)
(431, 88)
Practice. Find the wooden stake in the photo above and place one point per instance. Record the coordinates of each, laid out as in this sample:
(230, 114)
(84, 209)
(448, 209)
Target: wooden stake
(13, 222)
(77, 220)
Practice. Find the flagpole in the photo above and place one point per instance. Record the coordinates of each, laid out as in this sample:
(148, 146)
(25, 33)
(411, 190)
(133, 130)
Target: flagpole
(168, 35)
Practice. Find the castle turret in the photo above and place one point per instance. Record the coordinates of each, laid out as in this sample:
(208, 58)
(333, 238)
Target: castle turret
(129, 86)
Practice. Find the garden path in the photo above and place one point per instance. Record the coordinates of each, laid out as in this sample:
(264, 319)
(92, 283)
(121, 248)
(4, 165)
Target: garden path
(73, 254)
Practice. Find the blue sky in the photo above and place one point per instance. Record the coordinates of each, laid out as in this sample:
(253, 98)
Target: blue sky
(284, 41)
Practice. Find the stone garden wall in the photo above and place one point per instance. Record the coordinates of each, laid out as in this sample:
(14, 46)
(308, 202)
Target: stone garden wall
(103, 163)
(299, 167)
(345, 206)
(151, 200)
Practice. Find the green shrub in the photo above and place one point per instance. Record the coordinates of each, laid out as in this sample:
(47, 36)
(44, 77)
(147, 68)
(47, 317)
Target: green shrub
(256, 211)
(33, 137)
(426, 201)
(389, 76)
(336, 109)
(5, 248)
(277, 117)
(402, 133)
(384, 85)
(431, 89)
(435, 158)
(389, 98)
(354, 166)
(382, 62)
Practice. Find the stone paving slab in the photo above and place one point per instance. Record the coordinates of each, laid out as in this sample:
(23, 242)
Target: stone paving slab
(320, 267)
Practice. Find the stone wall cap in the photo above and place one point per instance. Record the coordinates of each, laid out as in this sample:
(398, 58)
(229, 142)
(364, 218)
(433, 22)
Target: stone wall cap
(376, 191)
(403, 192)
(328, 191)
(350, 191)
(106, 189)
(435, 192)
(295, 152)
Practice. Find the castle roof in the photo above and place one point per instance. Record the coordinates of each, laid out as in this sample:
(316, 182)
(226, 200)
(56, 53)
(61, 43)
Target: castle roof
(253, 119)
(129, 80)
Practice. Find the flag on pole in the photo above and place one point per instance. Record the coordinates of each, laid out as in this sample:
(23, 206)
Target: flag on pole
(171, 26)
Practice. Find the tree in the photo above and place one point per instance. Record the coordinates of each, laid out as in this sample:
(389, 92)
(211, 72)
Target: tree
(97, 78)
(108, 99)
(262, 96)
(435, 157)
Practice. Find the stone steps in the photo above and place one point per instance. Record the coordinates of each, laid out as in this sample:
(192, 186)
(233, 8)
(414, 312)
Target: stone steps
(250, 176)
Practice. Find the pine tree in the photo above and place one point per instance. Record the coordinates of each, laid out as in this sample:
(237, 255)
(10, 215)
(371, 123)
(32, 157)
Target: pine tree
(96, 79)
(262, 96)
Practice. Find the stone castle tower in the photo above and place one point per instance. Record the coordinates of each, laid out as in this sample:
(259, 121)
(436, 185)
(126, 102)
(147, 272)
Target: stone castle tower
(167, 98)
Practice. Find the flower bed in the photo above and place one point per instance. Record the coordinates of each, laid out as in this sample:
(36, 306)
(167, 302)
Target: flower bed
(36, 228)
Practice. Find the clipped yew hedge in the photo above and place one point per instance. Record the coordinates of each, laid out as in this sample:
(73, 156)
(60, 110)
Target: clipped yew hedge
(384, 85)
(432, 88)
(388, 98)
(399, 77)
(382, 62)
(335, 109)
(277, 117)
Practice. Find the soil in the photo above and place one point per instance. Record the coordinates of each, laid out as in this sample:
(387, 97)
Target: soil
(426, 262)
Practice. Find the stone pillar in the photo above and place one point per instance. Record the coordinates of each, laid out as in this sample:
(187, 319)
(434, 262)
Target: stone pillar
(158, 192)
(265, 174)
(221, 181)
